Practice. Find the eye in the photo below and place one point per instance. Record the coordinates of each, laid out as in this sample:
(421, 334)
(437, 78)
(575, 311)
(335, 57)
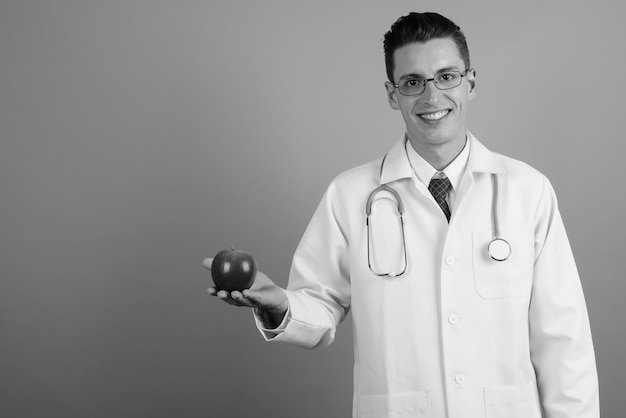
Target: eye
(412, 82)
(447, 76)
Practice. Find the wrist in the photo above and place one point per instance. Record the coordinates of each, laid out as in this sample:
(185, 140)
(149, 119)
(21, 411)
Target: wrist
(271, 318)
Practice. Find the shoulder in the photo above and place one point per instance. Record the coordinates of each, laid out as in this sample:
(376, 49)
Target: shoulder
(484, 160)
(348, 191)
(362, 175)
(516, 176)
(519, 169)
(527, 181)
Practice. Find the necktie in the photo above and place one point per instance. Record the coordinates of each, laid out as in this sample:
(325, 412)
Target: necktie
(439, 189)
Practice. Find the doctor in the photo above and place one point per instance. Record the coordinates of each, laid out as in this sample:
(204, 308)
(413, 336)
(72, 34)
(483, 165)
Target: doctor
(447, 331)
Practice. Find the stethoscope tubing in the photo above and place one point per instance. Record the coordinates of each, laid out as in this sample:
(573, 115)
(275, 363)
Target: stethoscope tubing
(368, 211)
(499, 249)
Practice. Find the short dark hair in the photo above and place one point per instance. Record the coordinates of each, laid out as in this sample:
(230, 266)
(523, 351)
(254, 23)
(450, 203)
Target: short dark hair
(422, 27)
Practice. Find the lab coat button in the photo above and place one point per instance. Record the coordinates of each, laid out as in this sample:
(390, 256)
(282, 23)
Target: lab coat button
(450, 260)
(453, 319)
(459, 379)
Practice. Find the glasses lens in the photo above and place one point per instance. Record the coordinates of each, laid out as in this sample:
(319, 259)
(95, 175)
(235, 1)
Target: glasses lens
(448, 80)
(411, 86)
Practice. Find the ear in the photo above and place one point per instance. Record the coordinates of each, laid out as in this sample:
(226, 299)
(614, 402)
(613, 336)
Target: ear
(392, 95)
(471, 81)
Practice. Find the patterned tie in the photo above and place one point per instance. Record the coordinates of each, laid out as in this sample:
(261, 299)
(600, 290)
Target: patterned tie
(439, 189)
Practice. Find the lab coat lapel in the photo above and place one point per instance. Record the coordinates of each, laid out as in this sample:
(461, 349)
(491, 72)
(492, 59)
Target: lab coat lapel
(396, 165)
(481, 160)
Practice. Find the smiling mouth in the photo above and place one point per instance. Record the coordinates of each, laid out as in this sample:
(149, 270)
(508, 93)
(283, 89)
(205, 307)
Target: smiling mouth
(435, 116)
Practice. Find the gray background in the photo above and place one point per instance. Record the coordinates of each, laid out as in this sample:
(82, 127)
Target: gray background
(138, 137)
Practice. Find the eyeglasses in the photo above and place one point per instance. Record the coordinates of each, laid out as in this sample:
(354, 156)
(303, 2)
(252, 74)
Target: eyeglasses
(412, 86)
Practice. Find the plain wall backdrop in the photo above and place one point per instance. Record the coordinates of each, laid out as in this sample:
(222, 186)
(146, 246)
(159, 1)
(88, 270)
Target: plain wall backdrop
(138, 137)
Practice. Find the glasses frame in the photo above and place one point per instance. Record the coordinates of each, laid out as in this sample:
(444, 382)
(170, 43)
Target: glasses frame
(424, 82)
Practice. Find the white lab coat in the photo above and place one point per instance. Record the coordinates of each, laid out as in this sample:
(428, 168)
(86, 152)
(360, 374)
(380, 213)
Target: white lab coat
(458, 335)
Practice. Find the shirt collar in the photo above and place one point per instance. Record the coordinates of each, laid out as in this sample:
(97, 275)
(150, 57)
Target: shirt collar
(396, 165)
(454, 171)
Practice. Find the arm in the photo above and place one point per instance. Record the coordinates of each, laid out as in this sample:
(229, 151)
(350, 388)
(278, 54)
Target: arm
(318, 294)
(560, 336)
(319, 288)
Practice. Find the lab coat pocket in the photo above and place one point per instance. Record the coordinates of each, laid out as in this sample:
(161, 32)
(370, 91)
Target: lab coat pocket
(512, 401)
(398, 405)
(511, 278)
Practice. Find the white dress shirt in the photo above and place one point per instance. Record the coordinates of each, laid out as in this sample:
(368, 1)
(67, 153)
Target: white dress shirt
(455, 171)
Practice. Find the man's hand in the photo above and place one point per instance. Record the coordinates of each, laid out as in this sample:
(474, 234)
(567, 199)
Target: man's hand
(264, 295)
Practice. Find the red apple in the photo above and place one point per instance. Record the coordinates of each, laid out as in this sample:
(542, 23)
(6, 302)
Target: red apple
(233, 270)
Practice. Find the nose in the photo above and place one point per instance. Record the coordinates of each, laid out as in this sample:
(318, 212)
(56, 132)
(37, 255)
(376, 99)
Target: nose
(430, 90)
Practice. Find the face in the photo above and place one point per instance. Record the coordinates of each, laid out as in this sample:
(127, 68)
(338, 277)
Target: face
(435, 118)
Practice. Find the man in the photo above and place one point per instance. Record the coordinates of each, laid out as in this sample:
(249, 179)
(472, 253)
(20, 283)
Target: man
(444, 324)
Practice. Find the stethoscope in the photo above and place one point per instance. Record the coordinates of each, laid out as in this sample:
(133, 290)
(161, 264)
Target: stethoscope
(499, 249)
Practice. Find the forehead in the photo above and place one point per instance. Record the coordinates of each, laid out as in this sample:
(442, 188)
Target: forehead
(427, 58)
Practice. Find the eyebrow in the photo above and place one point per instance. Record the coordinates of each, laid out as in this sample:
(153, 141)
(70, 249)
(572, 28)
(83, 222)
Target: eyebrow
(442, 70)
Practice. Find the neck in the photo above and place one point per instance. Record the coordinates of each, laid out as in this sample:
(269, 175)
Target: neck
(439, 155)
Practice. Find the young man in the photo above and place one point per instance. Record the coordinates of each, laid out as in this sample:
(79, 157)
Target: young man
(472, 305)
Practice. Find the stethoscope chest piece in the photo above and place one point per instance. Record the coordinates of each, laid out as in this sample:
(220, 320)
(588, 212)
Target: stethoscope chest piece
(499, 249)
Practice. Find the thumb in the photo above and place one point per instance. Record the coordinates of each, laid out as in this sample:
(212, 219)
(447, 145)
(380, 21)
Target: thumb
(207, 263)
(273, 299)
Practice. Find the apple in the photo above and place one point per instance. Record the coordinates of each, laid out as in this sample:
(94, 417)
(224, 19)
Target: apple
(233, 270)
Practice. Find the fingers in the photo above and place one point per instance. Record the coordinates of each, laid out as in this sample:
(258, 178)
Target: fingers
(242, 300)
(233, 298)
(237, 298)
(250, 295)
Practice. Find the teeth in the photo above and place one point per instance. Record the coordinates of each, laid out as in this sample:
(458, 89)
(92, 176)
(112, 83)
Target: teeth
(434, 116)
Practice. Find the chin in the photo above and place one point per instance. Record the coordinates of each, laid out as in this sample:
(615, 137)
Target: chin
(437, 136)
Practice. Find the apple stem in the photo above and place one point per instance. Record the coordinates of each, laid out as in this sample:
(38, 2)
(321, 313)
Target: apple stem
(232, 248)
